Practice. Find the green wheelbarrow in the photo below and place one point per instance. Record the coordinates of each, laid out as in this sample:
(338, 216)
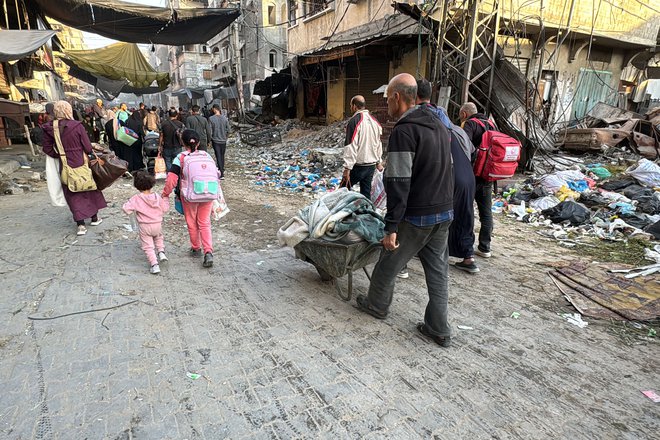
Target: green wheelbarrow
(334, 260)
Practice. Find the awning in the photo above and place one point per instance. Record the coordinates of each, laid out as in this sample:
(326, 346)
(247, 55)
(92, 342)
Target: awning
(15, 45)
(34, 83)
(140, 24)
(274, 84)
(390, 25)
(118, 61)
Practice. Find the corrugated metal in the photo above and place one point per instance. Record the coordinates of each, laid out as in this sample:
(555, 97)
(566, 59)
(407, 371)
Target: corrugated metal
(363, 76)
(593, 87)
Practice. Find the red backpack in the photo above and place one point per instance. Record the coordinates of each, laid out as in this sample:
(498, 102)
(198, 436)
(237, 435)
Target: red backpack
(497, 156)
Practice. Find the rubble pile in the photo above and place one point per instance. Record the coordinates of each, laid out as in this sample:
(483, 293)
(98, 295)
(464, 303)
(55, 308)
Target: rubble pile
(308, 159)
(589, 200)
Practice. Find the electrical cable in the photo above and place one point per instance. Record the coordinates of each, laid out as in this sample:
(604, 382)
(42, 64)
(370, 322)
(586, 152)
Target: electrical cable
(35, 318)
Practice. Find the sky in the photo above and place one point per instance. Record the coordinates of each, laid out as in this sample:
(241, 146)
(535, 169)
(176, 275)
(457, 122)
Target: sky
(94, 41)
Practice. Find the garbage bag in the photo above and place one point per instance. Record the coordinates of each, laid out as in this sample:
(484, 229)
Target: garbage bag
(646, 172)
(520, 196)
(654, 230)
(618, 184)
(578, 185)
(539, 192)
(600, 172)
(593, 199)
(574, 212)
(645, 197)
(639, 221)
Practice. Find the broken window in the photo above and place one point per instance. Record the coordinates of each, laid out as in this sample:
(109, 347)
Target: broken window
(293, 10)
(272, 58)
(271, 15)
(314, 6)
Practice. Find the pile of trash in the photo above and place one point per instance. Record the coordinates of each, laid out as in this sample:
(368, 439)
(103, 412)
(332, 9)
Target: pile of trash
(308, 160)
(588, 200)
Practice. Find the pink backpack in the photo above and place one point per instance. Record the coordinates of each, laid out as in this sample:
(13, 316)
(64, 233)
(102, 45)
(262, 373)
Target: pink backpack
(497, 156)
(199, 177)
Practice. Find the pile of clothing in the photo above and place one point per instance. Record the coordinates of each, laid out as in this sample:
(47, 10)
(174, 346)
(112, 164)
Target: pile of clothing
(341, 216)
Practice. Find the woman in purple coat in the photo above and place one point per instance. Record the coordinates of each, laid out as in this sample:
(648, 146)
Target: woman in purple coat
(86, 204)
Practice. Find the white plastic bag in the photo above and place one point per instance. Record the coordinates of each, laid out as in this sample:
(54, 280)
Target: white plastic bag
(220, 208)
(378, 196)
(646, 172)
(54, 182)
(543, 203)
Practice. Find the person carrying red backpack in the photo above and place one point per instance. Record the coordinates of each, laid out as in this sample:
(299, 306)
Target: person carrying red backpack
(195, 176)
(470, 119)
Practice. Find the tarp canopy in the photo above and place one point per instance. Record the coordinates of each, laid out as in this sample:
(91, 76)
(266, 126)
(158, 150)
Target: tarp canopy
(117, 61)
(140, 24)
(15, 45)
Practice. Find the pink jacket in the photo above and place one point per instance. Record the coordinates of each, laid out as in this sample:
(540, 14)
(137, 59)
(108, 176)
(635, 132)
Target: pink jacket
(148, 208)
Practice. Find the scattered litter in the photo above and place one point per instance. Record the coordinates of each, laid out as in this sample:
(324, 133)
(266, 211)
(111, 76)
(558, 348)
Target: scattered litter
(129, 228)
(465, 327)
(575, 319)
(655, 397)
(652, 333)
(515, 315)
(259, 263)
(193, 376)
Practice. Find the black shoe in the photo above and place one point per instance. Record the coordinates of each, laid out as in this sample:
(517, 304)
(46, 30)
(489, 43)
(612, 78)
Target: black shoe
(467, 267)
(363, 304)
(208, 260)
(195, 252)
(443, 341)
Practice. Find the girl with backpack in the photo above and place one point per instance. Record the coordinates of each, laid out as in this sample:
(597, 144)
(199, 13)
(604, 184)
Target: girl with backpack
(196, 179)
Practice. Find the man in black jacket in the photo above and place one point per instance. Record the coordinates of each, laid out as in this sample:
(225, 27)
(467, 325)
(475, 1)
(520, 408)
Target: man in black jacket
(484, 190)
(419, 183)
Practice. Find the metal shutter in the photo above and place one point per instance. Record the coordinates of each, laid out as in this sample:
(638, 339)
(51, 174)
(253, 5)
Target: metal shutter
(363, 76)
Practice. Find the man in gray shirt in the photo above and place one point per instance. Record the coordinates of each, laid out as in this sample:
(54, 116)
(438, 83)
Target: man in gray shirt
(201, 125)
(219, 132)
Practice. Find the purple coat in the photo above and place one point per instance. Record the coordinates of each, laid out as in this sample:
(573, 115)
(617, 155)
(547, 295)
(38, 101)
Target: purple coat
(86, 204)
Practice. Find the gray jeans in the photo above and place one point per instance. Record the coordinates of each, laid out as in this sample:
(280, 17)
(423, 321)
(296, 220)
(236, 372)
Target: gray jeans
(430, 243)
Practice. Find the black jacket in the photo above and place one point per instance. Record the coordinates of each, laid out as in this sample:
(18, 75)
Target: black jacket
(419, 177)
(476, 131)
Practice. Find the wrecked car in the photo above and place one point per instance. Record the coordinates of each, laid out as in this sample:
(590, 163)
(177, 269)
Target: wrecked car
(640, 135)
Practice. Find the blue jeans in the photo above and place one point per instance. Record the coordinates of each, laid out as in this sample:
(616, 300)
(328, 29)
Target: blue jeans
(169, 154)
(430, 243)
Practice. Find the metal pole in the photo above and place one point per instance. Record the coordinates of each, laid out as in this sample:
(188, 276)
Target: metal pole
(239, 72)
(472, 41)
(435, 74)
(496, 5)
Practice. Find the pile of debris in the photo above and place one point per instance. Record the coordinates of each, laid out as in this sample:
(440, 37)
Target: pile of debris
(308, 159)
(589, 200)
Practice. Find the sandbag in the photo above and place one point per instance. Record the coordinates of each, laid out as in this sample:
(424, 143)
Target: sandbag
(106, 169)
(575, 213)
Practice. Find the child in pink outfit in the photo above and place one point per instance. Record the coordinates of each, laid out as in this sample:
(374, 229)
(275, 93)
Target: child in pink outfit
(149, 208)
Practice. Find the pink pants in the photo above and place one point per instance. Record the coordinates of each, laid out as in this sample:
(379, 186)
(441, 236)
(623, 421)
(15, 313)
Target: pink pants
(198, 219)
(151, 237)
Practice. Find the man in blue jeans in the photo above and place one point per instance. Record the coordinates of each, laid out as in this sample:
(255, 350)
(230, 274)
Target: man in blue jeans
(419, 183)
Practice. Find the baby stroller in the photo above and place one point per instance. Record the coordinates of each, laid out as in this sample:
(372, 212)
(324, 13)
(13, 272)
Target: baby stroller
(150, 149)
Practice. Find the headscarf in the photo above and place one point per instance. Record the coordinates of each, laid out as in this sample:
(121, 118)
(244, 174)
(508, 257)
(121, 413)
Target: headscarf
(49, 108)
(62, 110)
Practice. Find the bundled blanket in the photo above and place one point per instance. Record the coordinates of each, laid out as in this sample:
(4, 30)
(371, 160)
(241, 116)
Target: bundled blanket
(337, 216)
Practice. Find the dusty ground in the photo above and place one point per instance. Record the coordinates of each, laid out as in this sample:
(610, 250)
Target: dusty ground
(279, 354)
